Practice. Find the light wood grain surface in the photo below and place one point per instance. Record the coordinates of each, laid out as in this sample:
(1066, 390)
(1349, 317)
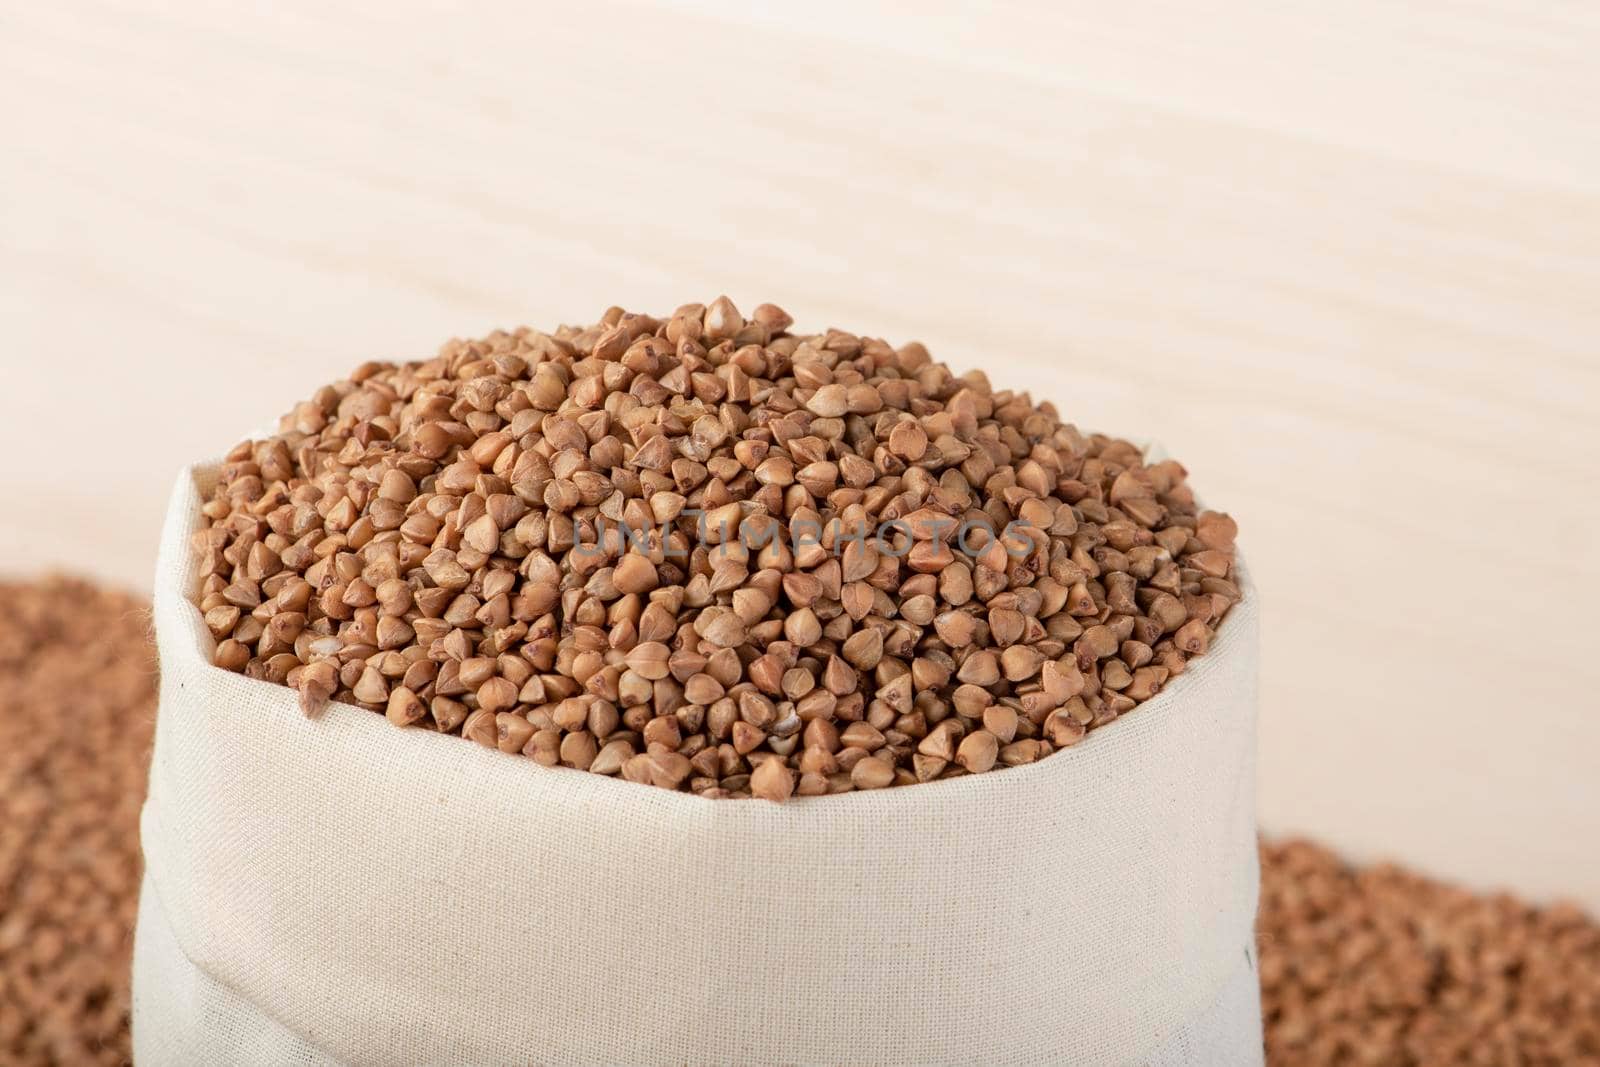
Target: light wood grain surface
(1344, 261)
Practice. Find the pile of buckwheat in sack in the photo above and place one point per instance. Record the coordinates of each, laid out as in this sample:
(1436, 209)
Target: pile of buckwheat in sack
(706, 553)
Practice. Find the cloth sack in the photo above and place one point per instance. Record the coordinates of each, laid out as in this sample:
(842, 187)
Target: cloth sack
(342, 891)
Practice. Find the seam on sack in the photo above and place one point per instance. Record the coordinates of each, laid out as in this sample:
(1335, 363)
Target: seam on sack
(178, 938)
(1198, 1006)
(1215, 1003)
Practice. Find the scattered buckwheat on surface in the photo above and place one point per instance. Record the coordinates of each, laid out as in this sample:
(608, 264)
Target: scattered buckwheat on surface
(706, 553)
(1379, 966)
(77, 703)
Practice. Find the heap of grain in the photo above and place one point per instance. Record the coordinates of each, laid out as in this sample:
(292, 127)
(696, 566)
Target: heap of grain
(707, 553)
(1381, 966)
(78, 677)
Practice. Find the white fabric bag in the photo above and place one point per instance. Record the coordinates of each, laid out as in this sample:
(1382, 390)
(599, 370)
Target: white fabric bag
(342, 891)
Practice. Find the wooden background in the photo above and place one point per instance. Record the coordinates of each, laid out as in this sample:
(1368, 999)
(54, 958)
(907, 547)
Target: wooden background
(1343, 260)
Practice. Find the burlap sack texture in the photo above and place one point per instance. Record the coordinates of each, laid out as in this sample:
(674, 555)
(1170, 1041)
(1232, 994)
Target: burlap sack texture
(342, 891)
